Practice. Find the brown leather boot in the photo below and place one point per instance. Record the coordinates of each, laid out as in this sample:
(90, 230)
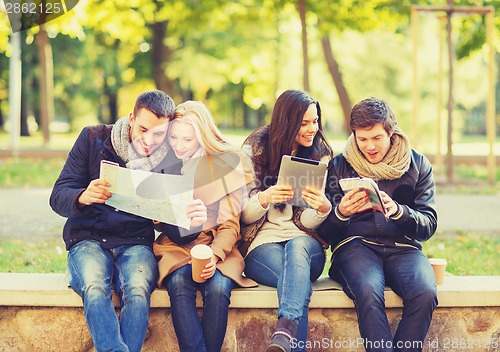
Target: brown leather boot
(282, 337)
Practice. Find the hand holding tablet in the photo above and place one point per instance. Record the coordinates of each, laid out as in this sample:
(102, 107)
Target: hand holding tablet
(300, 174)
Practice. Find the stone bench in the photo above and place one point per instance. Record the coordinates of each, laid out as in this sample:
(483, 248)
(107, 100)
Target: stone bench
(39, 312)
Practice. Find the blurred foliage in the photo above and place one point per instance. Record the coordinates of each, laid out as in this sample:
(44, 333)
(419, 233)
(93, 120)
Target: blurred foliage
(238, 56)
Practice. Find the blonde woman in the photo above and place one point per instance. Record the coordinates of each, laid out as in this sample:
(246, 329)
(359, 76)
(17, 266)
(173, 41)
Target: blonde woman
(220, 182)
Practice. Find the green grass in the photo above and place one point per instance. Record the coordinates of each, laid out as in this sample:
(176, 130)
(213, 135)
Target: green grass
(466, 254)
(475, 172)
(19, 256)
(468, 179)
(21, 172)
(58, 141)
(473, 254)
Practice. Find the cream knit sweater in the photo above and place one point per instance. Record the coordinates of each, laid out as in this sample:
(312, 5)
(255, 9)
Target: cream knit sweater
(278, 226)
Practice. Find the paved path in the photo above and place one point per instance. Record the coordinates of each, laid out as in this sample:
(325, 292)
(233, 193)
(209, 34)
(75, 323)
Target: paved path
(26, 214)
(469, 212)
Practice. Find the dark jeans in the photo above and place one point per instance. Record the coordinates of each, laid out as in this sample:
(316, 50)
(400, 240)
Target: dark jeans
(364, 269)
(290, 266)
(192, 334)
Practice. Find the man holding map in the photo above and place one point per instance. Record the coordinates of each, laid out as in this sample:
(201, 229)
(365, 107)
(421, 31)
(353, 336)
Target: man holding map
(376, 248)
(109, 248)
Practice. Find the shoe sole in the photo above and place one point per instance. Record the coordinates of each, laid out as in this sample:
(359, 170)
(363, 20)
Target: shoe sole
(275, 348)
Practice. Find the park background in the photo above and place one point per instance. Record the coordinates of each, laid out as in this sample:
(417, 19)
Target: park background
(88, 66)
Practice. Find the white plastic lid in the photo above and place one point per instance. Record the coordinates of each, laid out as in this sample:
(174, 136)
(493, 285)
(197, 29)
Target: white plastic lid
(201, 251)
(438, 261)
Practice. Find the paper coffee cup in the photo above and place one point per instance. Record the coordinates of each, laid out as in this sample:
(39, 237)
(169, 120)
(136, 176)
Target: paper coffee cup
(201, 255)
(439, 267)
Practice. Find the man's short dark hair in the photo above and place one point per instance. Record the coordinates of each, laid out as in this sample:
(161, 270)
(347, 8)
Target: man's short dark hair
(156, 101)
(371, 111)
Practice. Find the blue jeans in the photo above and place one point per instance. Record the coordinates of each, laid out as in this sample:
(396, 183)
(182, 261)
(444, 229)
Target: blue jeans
(364, 269)
(133, 272)
(290, 266)
(192, 334)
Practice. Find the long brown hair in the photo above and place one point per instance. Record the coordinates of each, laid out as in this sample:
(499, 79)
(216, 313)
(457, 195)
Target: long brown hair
(271, 142)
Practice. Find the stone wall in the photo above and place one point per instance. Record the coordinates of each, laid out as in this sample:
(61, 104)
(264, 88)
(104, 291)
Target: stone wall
(331, 329)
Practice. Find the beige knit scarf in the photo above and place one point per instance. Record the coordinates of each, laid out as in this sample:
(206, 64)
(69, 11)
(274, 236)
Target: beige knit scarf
(391, 167)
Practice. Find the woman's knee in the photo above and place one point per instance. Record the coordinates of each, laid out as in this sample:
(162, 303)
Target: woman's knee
(303, 250)
(304, 244)
(179, 282)
(219, 286)
(265, 270)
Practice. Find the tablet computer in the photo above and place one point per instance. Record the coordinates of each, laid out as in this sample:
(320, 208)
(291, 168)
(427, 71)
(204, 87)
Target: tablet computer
(300, 173)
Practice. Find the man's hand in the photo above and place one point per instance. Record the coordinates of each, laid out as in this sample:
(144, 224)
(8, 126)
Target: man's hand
(390, 206)
(96, 192)
(197, 213)
(352, 201)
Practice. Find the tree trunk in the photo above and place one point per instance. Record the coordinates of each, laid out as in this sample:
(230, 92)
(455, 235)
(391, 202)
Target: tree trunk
(334, 69)
(2, 120)
(24, 106)
(113, 107)
(451, 57)
(111, 90)
(27, 87)
(160, 54)
(302, 8)
(46, 83)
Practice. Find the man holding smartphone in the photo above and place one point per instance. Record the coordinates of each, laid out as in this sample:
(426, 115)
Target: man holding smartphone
(371, 249)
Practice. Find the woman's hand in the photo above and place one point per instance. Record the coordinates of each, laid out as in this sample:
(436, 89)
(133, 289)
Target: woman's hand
(210, 268)
(316, 200)
(274, 195)
(197, 213)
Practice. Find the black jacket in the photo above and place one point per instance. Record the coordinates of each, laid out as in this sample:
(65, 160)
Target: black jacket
(99, 222)
(414, 191)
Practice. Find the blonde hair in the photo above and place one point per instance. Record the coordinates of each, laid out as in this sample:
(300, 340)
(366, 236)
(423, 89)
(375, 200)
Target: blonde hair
(197, 115)
(211, 139)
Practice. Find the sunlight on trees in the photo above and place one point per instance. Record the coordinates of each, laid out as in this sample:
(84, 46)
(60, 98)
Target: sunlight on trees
(238, 57)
